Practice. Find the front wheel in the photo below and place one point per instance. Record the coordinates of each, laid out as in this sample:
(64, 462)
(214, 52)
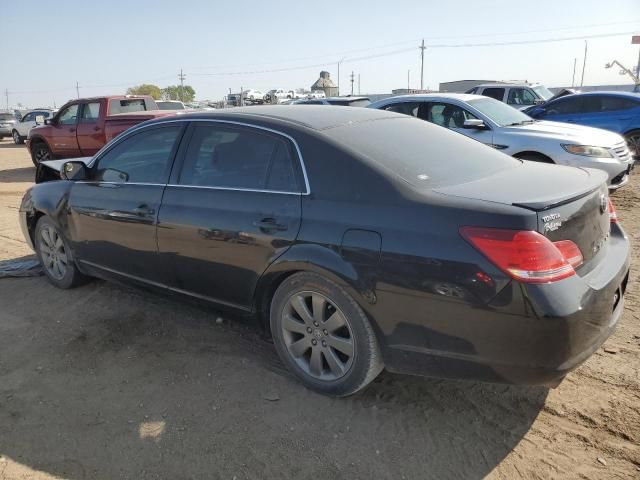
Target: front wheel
(17, 139)
(633, 141)
(55, 255)
(40, 152)
(323, 335)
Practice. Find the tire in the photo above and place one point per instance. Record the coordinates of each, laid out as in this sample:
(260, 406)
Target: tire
(339, 353)
(533, 157)
(17, 139)
(40, 152)
(55, 255)
(633, 141)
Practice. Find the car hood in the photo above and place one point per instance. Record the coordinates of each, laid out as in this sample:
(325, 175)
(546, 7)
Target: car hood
(566, 132)
(532, 185)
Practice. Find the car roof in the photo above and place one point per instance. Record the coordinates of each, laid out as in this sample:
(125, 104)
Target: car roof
(308, 116)
(518, 85)
(463, 97)
(609, 93)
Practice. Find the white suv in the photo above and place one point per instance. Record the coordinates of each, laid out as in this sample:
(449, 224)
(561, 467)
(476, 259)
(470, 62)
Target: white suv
(517, 95)
(30, 119)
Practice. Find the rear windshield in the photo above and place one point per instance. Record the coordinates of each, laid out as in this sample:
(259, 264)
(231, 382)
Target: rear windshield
(422, 154)
(127, 106)
(170, 105)
(7, 116)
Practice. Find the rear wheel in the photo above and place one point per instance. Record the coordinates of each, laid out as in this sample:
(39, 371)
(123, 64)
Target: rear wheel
(40, 152)
(633, 140)
(17, 139)
(55, 256)
(533, 157)
(323, 335)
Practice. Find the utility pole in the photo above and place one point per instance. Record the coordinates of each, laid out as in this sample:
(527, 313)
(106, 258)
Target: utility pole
(77, 89)
(339, 62)
(584, 63)
(573, 77)
(422, 49)
(182, 76)
(352, 77)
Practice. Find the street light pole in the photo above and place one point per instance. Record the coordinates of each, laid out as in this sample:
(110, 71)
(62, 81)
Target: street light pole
(422, 49)
(584, 63)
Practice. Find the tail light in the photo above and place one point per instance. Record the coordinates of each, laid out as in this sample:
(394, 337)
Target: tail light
(613, 216)
(525, 255)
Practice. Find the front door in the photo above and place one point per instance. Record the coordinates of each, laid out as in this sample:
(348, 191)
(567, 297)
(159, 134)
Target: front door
(63, 132)
(113, 215)
(90, 129)
(232, 208)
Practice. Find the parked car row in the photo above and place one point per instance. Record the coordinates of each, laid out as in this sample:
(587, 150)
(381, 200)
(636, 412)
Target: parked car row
(361, 238)
(504, 128)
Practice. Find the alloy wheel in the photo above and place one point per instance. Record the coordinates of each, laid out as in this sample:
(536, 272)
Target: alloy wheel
(16, 137)
(317, 336)
(634, 143)
(54, 255)
(42, 154)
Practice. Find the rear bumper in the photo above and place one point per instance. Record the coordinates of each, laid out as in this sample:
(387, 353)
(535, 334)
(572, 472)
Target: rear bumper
(528, 334)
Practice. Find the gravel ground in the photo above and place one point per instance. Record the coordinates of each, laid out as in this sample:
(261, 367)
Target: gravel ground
(109, 382)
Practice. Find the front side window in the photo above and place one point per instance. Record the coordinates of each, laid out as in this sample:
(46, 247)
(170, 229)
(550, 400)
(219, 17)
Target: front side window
(448, 116)
(90, 112)
(520, 97)
(242, 158)
(69, 116)
(497, 93)
(565, 106)
(407, 108)
(141, 158)
(29, 117)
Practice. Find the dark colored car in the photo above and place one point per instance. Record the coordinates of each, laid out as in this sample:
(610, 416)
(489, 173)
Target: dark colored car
(618, 112)
(363, 239)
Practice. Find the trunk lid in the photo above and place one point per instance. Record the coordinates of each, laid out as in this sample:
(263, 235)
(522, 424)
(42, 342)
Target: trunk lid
(571, 203)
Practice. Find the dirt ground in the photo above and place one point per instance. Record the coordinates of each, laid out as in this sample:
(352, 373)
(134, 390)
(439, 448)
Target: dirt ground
(110, 382)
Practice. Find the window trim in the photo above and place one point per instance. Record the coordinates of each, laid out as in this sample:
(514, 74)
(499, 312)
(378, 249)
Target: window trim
(187, 121)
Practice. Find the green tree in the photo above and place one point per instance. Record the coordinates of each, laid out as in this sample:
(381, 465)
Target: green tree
(146, 89)
(175, 92)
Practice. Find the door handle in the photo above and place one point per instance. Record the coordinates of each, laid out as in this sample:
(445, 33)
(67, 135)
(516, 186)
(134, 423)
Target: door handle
(269, 224)
(96, 129)
(72, 130)
(143, 211)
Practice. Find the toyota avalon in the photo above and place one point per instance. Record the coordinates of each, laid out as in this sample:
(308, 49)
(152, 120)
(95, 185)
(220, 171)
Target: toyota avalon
(362, 239)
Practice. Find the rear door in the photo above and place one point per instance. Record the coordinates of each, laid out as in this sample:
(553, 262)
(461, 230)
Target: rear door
(91, 128)
(63, 140)
(494, 92)
(113, 215)
(232, 208)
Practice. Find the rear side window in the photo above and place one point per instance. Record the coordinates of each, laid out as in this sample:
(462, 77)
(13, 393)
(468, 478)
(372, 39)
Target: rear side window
(242, 158)
(407, 108)
(90, 112)
(611, 104)
(140, 158)
(497, 93)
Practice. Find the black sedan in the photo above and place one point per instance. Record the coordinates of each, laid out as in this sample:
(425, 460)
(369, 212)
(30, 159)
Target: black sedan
(363, 239)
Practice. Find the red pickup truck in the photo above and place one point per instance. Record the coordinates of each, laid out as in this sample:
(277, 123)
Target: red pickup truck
(82, 127)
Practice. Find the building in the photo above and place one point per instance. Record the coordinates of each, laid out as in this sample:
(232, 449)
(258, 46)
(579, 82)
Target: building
(326, 85)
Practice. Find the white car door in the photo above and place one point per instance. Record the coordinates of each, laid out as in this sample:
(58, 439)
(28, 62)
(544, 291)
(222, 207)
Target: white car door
(453, 116)
(27, 122)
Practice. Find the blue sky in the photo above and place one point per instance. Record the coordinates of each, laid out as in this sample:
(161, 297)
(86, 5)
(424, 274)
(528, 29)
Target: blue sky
(107, 46)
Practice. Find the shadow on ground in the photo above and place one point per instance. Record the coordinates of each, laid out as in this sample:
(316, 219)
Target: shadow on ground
(18, 175)
(107, 382)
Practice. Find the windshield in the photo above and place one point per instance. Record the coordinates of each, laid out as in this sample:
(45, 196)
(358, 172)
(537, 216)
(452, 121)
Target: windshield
(501, 113)
(543, 92)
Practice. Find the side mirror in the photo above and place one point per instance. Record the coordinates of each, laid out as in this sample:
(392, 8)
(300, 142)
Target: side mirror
(539, 101)
(39, 119)
(74, 170)
(49, 121)
(475, 124)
